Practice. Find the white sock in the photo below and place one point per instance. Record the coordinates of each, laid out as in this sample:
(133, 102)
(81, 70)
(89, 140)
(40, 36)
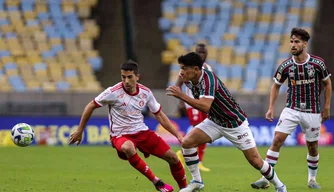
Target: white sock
(191, 160)
(269, 173)
(312, 163)
(272, 157)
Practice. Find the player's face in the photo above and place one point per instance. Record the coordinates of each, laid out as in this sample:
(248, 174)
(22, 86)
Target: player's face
(129, 79)
(297, 45)
(202, 52)
(188, 73)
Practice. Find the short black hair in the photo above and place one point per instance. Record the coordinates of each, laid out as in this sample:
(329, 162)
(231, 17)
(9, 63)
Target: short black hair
(202, 45)
(130, 65)
(191, 59)
(301, 33)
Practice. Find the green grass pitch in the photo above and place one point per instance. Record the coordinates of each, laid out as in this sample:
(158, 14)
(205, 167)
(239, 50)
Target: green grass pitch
(98, 169)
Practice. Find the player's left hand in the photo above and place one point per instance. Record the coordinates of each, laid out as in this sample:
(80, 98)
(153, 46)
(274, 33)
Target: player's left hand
(76, 137)
(174, 91)
(325, 114)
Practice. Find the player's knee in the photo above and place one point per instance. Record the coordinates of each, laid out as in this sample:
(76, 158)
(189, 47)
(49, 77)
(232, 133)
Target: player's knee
(129, 150)
(172, 160)
(171, 157)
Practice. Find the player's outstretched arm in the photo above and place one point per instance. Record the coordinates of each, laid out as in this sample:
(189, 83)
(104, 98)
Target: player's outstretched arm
(86, 114)
(328, 97)
(165, 122)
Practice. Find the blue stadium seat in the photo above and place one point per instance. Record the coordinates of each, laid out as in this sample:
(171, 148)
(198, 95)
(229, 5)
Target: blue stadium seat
(95, 62)
(70, 73)
(253, 64)
(12, 8)
(43, 16)
(267, 8)
(282, 2)
(63, 86)
(40, 66)
(165, 24)
(236, 71)
(9, 66)
(17, 83)
(222, 71)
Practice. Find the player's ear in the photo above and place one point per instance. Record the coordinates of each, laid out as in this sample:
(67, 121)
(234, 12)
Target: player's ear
(196, 68)
(138, 76)
(305, 43)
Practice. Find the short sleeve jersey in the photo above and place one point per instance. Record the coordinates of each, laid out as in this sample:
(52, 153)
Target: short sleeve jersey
(125, 109)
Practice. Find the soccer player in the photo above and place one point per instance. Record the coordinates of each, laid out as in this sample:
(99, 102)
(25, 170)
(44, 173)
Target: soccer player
(305, 74)
(125, 102)
(225, 119)
(195, 116)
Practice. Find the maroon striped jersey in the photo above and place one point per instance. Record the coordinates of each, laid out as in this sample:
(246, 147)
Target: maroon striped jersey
(224, 110)
(304, 82)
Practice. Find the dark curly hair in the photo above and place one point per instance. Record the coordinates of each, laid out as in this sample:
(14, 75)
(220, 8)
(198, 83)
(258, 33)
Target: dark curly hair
(301, 33)
(191, 59)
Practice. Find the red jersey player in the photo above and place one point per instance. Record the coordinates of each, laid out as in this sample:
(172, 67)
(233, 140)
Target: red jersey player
(125, 102)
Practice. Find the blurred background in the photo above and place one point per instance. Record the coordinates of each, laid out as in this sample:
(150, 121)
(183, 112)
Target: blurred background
(57, 55)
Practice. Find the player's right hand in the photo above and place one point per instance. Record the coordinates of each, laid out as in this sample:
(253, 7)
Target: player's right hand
(76, 137)
(270, 115)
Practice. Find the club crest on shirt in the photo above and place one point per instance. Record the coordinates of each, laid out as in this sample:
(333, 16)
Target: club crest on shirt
(310, 70)
(141, 103)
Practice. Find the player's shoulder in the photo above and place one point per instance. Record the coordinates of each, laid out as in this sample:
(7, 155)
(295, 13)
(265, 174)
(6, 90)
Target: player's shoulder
(316, 59)
(287, 62)
(116, 87)
(284, 64)
(144, 88)
(207, 67)
(209, 74)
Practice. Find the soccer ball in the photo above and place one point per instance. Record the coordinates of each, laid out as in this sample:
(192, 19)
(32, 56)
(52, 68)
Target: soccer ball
(22, 134)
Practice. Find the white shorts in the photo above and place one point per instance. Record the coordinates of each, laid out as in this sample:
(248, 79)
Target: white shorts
(310, 123)
(241, 137)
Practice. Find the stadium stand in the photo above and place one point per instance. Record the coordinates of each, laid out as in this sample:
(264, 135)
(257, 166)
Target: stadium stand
(47, 45)
(246, 39)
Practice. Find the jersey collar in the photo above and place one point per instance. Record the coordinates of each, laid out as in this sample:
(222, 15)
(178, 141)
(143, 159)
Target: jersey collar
(307, 60)
(136, 93)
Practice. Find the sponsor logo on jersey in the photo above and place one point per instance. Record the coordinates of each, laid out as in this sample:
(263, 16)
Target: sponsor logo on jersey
(302, 82)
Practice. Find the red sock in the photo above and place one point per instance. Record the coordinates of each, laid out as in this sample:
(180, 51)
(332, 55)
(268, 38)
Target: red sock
(141, 166)
(179, 174)
(200, 150)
